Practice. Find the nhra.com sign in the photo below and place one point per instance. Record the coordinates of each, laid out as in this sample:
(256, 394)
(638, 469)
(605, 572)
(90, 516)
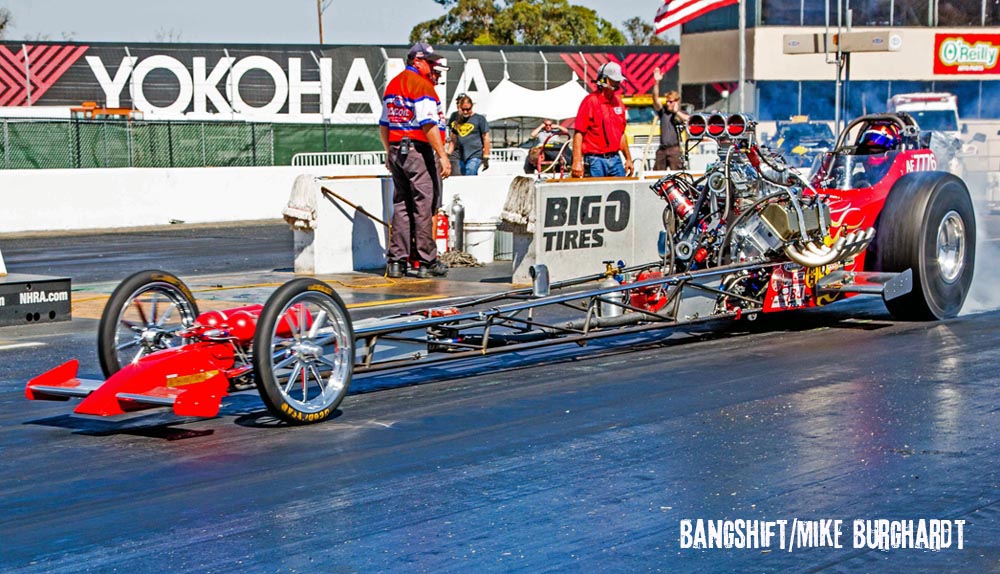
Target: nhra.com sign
(966, 53)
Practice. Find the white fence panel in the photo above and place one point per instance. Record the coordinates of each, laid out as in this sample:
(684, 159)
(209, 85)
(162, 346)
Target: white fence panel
(320, 159)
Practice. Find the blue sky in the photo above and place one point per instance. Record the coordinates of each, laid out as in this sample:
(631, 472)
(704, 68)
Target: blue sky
(246, 21)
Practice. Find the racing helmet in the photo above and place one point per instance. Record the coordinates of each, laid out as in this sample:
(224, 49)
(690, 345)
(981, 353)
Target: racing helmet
(879, 138)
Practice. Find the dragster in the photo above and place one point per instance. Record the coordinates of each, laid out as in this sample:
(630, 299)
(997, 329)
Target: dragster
(750, 236)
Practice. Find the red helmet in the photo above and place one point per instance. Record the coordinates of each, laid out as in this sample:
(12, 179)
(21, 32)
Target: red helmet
(879, 138)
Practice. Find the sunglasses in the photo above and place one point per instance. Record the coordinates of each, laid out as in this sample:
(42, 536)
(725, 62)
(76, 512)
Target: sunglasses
(469, 109)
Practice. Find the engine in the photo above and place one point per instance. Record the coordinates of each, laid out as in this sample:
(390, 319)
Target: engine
(749, 206)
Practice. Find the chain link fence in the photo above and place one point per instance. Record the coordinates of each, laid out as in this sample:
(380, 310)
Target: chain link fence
(48, 144)
(59, 143)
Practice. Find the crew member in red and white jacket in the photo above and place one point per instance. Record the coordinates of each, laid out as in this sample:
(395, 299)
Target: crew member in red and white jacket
(412, 129)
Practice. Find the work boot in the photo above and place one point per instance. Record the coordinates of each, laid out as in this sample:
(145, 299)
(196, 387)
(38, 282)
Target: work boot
(395, 269)
(436, 268)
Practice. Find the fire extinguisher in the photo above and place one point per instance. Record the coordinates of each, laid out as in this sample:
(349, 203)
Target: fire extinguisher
(441, 230)
(458, 222)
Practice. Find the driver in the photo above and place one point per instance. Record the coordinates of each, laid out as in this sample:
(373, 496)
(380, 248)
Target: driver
(878, 138)
(875, 142)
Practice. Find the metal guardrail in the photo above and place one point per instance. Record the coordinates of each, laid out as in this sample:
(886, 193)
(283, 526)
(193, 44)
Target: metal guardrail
(365, 158)
(347, 158)
(508, 154)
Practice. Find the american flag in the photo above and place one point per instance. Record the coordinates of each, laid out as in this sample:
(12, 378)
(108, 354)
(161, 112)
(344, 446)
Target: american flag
(676, 12)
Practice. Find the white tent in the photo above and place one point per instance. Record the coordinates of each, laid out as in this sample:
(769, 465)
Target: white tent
(509, 100)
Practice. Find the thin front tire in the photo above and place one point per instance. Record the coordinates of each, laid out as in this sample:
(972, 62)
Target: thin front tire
(146, 313)
(303, 352)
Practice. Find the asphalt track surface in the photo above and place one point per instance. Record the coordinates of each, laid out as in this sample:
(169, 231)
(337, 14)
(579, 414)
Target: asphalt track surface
(557, 460)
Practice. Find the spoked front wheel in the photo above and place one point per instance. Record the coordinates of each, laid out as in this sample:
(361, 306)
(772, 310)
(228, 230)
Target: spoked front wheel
(146, 313)
(303, 352)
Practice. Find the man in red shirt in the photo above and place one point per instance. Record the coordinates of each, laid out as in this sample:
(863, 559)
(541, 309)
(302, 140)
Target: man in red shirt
(412, 130)
(600, 129)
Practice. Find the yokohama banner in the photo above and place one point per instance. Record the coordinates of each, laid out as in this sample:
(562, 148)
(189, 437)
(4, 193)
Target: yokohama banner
(339, 85)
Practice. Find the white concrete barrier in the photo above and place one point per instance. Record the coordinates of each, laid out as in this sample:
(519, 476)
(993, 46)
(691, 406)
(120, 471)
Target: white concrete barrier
(85, 199)
(482, 195)
(345, 239)
(70, 199)
(78, 199)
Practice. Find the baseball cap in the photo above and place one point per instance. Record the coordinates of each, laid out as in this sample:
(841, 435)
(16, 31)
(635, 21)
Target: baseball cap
(612, 71)
(423, 50)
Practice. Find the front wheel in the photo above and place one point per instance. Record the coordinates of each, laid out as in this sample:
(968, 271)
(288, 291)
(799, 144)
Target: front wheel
(303, 352)
(145, 313)
(928, 225)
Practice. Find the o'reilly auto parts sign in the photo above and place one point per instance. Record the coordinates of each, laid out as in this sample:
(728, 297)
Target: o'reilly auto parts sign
(965, 54)
(340, 85)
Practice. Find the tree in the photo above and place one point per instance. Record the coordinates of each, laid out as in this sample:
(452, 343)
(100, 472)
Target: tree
(4, 20)
(639, 32)
(468, 22)
(512, 22)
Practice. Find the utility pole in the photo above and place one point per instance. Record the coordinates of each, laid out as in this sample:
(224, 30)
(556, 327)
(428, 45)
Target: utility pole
(321, 6)
(319, 15)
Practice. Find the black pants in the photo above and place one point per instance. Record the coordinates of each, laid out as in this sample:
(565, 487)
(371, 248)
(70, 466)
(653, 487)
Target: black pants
(416, 198)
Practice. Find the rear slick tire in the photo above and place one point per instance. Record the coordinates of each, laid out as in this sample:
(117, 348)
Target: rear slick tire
(928, 225)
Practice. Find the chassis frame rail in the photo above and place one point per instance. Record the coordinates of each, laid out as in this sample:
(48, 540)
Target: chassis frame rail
(513, 325)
